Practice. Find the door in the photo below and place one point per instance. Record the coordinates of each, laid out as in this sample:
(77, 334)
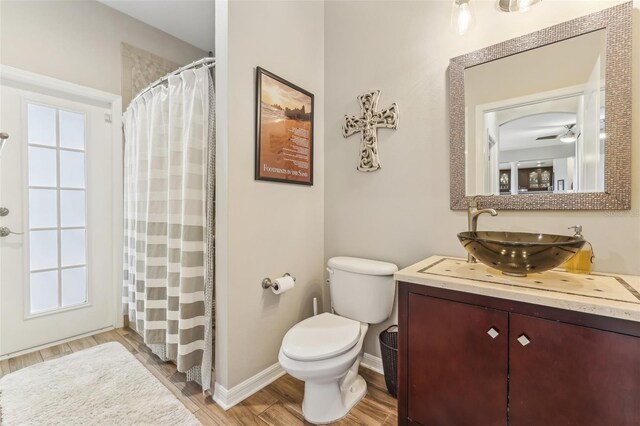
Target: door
(457, 363)
(56, 265)
(571, 375)
(588, 145)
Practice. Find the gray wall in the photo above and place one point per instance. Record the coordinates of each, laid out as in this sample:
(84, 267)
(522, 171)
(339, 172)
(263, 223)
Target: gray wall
(79, 41)
(264, 229)
(544, 153)
(401, 213)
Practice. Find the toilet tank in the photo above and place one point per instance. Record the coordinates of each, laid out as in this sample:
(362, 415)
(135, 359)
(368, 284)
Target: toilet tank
(362, 289)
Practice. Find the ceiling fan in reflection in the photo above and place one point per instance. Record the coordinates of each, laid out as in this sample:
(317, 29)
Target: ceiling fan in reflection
(566, 136)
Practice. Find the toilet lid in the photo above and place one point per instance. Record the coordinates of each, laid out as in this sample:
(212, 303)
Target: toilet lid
(320, 337)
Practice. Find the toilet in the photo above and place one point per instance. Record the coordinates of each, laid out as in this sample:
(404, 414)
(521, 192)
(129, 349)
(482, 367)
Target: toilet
(325, 350)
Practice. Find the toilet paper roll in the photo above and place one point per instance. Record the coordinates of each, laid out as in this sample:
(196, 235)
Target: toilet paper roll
(283, 284)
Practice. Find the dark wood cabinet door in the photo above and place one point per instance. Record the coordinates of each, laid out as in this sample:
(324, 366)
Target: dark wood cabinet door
(572, 375)
(457, 371)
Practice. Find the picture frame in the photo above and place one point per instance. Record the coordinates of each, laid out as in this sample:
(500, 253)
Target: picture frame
(284, 130)
(560, 185)
(504, 181)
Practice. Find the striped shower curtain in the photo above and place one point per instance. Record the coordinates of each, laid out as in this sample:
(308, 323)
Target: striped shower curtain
(168, 250)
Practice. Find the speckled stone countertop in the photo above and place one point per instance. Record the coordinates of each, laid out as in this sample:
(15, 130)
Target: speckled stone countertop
(607, 294)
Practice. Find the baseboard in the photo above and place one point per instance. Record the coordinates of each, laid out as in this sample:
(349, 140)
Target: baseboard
(227, 398)
(220, 396)
(57, 342)
(372, 363)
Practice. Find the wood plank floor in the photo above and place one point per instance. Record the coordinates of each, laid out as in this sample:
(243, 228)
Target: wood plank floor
(279, 404)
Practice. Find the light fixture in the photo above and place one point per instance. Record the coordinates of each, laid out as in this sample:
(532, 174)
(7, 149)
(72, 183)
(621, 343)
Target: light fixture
(462, 16)
(516, 5)
(569, 137)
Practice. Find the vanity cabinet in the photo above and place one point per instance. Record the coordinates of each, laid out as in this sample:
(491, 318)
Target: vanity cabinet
(455, 373)
(467, 359)
(571, 375)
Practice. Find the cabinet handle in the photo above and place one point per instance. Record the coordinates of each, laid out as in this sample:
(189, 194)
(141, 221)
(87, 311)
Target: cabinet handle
(524, 340)
(493, 333)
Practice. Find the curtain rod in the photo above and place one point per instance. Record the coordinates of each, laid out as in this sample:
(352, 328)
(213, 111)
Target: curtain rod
(207, 61)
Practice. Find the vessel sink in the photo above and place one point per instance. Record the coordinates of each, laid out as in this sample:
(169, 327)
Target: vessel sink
(520, 253)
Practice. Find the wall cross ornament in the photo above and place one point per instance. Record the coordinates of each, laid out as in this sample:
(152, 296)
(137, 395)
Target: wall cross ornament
(369, 123)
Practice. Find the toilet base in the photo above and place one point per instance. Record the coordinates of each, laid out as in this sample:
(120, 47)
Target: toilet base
(328, 402)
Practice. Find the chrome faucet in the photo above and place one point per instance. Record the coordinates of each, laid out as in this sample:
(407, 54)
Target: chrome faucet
(472, 219)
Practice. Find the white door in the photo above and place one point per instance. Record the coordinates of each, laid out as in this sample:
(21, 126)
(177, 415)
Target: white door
(588, 145)
(57, 275)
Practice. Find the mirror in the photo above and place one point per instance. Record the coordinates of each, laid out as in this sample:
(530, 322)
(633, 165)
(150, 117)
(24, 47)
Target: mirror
(526, 133)
(536, 121)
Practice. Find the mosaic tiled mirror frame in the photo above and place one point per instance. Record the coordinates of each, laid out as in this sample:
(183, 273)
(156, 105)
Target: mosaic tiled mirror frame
(617, 21)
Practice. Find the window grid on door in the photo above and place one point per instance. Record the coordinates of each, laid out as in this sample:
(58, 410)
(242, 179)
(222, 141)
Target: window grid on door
(57, 208)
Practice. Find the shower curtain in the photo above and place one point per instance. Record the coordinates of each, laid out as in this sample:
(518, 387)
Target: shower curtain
(169, 206)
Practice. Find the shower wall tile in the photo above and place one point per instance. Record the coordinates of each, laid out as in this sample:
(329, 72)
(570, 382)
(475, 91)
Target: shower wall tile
(139, 69)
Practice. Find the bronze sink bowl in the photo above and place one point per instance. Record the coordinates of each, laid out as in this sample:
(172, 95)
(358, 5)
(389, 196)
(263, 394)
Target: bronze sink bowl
(520, 253)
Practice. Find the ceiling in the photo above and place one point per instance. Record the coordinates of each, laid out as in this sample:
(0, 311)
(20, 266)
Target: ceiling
(522, 133)
(530, 164)
(520, 126)
(192, 21)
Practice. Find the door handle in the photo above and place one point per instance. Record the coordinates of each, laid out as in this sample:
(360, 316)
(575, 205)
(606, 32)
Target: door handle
(493, 332)
(5, 232)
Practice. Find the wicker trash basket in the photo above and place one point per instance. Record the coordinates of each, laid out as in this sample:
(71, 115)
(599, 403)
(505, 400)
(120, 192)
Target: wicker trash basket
(389, 352)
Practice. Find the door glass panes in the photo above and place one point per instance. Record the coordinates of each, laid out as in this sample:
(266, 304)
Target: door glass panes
(72, 247)
(74, 286)
(70, 212)
(71, 130)
(71, 169)
(43, 250)
(43, 212)
(41, 127)
(42, 167)
(44, 291)
(57, 208)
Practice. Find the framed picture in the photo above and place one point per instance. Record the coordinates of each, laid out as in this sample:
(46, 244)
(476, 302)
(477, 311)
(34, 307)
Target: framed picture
(505, 181)
(560, 186)
(284, 130)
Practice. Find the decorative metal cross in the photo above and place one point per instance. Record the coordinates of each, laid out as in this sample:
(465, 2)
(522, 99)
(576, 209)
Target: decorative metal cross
(368, 124)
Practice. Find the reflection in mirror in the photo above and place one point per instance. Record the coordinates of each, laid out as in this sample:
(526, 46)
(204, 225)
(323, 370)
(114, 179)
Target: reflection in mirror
(527, 118)
(535, 120)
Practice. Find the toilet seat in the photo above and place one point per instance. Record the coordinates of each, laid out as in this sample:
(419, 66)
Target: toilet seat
(321, 337)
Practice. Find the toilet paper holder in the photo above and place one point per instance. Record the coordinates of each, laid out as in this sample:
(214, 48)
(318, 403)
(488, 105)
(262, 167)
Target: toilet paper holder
(267, 283)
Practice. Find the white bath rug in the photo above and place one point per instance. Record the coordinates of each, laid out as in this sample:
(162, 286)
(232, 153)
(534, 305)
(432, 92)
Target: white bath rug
(103, 385)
